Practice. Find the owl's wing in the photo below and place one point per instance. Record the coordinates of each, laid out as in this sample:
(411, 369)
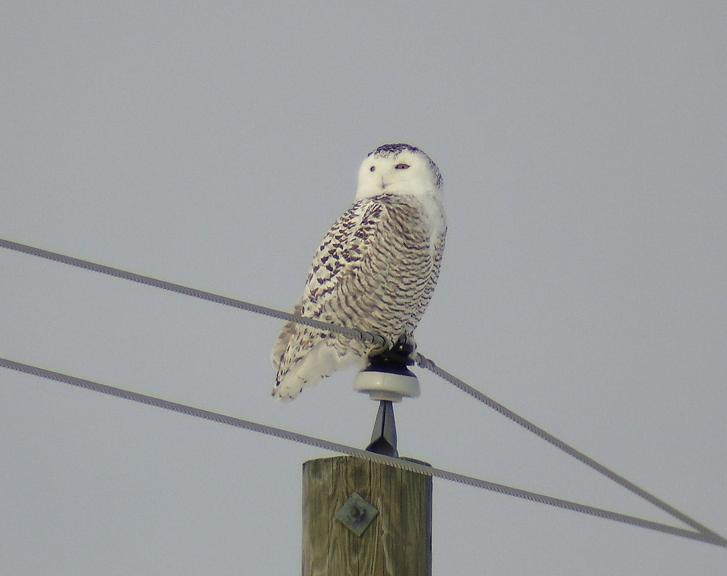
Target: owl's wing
(335, 292)
(281, 344)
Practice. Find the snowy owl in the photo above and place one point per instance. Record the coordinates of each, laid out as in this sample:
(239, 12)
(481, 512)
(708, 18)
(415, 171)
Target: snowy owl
(374, 270)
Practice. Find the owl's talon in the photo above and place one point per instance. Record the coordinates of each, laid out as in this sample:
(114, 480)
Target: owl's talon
(406, 343)
(381, 349)
(399, 353)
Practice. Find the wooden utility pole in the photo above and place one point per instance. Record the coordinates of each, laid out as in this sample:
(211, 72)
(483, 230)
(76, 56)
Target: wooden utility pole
(363, 518)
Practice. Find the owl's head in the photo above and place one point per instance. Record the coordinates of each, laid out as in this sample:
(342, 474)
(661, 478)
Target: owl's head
(398, 169)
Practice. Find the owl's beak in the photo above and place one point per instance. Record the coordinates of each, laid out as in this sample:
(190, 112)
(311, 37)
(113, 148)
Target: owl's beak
(383, 184)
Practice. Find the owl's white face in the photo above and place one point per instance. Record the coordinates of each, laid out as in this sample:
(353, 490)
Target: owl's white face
(398, 169)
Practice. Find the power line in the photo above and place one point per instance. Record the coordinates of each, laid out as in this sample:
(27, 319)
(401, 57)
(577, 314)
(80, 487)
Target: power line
(368, 337)
(425, 362)
(709, 538)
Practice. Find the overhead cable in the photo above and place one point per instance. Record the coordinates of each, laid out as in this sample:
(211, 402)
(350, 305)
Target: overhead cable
(368, 337)
(409, 465)
(362, 335)
(428, 364)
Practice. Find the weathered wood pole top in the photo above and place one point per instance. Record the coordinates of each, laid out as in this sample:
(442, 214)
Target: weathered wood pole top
(397, 536)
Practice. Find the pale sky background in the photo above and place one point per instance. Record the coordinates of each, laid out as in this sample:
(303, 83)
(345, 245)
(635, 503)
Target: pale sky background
(583, 147)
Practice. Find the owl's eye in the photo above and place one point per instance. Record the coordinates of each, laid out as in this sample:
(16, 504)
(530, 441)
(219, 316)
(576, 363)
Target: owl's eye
(401, 166)
(372, 169)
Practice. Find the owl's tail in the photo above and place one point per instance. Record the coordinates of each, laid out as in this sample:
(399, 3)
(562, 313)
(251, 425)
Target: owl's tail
(319, 362)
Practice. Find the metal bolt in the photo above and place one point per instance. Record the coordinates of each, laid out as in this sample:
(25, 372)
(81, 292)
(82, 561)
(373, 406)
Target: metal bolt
(356, 514)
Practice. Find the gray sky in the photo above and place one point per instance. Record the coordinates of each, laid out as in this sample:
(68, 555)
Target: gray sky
(583, 149)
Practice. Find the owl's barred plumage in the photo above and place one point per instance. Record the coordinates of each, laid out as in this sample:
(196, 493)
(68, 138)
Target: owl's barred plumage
(375, 269)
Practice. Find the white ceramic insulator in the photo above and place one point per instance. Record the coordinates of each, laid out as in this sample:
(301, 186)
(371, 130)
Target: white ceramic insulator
(386, 386)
